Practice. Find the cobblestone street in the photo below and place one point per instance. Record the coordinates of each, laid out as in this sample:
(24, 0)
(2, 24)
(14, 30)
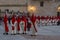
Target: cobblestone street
(44, 33)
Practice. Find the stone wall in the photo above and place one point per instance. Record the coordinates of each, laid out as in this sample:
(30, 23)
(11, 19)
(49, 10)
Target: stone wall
(13, 2)
(49, 8)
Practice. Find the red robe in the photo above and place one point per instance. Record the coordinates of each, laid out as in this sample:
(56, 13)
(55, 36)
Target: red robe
(5, 22)
(56, 18)
(42, 17)
(13, 21)
(38, 18)
(24, 19)
(33, 19)
(46, 18)
(18, 21)
(50, 18)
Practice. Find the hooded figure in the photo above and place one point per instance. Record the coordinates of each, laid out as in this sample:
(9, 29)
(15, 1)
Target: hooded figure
(6, 24)
(50, 21)
(46, 20)
(43, 20)
(28, 24)
(33, 19)
(14, 24)
(18, 24)
(38, 21)
(25, 24)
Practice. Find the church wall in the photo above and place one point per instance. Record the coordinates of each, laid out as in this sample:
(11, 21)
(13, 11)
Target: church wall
(49, 8)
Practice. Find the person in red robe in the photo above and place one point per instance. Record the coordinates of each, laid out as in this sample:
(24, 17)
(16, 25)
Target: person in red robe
(18, 24)
(13, 20)
(25, 27)
(28, 24)
(46, 20)
(5, 24)
(38, 20)
(33, 19)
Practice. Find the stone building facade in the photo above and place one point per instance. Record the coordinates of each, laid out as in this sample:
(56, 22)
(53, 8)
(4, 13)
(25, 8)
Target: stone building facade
(49, 8)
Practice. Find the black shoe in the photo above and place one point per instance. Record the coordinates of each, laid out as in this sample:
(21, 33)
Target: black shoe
(22, 33)
(18, 33)
(25, 33)
(33, 35)
(13, 34)
(6, 33)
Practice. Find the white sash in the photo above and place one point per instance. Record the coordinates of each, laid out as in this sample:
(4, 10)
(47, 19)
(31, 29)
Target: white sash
(22, 25)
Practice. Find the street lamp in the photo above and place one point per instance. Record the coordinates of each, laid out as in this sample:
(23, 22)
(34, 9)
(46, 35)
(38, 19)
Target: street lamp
(59, 8)
(31, 8)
